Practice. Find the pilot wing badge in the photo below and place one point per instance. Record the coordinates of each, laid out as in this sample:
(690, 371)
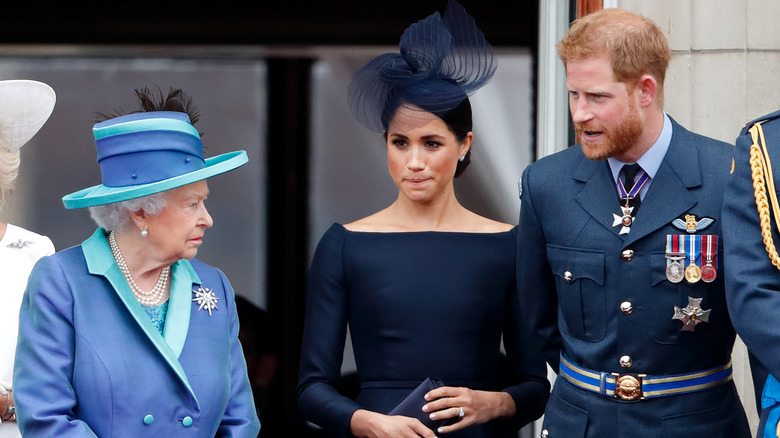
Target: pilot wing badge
(691, 225)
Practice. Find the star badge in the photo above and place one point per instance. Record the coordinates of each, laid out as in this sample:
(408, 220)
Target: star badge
(692, 314)
(206, 299)
(625, 221)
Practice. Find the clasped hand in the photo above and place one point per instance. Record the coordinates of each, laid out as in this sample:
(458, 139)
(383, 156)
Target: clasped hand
(478, 406)
(443, 403)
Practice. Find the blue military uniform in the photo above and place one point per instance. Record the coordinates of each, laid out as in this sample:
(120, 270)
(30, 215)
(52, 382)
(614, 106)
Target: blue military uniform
(752, 282)
(602, 300)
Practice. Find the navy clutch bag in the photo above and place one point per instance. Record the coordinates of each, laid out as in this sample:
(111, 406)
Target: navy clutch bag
(411, 406)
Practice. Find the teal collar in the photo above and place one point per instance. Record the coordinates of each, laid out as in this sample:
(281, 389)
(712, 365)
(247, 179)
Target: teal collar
(170, 344)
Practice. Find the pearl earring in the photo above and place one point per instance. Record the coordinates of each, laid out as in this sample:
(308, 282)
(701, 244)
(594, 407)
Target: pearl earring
(462, 157)
(144, 233)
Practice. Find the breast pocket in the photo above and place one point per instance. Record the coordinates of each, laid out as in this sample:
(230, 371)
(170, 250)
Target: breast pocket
(579, 278)
(666, 295)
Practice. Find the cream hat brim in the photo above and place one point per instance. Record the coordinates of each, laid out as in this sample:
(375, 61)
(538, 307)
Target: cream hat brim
(25, 106)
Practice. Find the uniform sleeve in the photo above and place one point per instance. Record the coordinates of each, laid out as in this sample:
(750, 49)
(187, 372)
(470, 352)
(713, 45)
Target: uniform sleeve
(752, 282)
(240, 417)
(323, 339)
(43, 392)
(535, 282)
(525, 368)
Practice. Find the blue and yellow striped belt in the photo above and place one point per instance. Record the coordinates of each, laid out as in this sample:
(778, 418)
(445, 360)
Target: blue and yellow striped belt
(641, 386)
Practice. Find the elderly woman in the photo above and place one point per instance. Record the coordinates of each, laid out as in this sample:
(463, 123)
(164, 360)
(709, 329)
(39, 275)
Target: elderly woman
(24, 108)
(126, 334)
(426, 287)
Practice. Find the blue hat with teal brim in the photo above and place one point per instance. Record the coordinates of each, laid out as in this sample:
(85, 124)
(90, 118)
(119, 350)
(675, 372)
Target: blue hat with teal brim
(145, 153)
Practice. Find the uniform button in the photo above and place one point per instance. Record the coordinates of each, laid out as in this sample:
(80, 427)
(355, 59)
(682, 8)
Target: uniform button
(628, 254)
(187, 421)
(625, 361)
(626, 307)
(149, 419)
(544, 433)
(567, 276)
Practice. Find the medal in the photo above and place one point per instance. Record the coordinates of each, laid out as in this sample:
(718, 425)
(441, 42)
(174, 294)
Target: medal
(692, 314)
(625, 220)
(708, 273)
(674, 269)
(693, 271)
(710, 251)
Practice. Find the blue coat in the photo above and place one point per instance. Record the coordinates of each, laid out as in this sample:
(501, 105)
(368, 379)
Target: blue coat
(89, 362)
(752, 282)
(575, 271)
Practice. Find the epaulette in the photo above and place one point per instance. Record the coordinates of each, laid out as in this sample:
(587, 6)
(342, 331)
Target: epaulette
(771, 116)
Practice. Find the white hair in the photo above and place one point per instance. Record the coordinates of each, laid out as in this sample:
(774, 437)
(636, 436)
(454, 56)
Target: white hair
(117, 216)
(9, 170)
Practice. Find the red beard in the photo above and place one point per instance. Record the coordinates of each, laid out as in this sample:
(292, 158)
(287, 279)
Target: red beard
(614, 142)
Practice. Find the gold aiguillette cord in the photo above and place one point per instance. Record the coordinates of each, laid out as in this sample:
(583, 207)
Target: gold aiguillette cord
(761, 171)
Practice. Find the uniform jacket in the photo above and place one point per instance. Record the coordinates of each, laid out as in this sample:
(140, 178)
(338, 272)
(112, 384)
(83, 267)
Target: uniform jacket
(90, 363)
(752, 282)
(19, 250)
(575, 271)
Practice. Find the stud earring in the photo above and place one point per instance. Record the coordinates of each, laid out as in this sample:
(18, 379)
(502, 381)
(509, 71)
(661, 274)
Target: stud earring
(144, 233)
(462, 157)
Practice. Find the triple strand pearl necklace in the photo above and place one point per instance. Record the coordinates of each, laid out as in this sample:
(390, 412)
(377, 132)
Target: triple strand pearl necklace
(150, 298)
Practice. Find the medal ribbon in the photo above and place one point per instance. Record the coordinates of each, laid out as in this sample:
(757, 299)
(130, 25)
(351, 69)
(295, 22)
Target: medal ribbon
(634, 192)
(672, 244)
(692, 248)
(674, 269)
(710, 249)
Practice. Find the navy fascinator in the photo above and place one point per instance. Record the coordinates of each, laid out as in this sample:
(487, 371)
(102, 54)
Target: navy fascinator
(441, 62)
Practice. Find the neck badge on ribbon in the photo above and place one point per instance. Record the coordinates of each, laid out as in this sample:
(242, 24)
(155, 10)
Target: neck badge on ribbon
(626, 218)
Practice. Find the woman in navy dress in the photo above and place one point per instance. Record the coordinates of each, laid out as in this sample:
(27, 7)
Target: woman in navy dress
(425, 285)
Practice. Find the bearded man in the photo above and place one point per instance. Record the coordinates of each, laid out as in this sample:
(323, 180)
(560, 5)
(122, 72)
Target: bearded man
(620, 277)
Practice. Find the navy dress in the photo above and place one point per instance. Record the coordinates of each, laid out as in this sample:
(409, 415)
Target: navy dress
(420, 304)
